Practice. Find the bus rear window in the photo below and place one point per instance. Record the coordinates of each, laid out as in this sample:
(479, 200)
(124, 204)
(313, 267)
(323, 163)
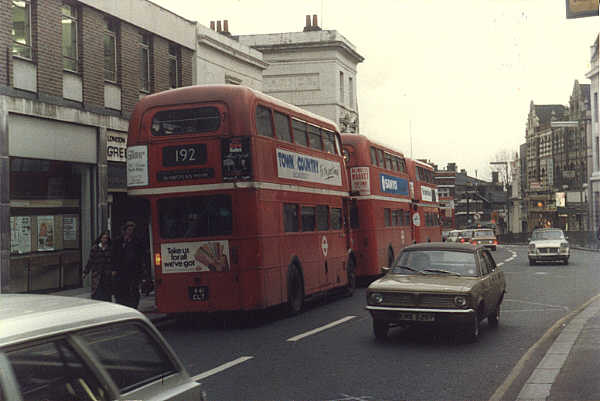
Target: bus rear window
(195, 216)
(186, 121)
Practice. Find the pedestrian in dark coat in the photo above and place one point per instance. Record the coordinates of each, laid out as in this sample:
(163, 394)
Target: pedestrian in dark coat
(101, 267)
(129, 263)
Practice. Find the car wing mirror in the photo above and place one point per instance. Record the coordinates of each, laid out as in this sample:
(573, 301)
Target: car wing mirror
(385, 269)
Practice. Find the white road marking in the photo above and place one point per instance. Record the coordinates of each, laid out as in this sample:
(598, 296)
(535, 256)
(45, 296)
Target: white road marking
(319, 329)
(348, 397)
(221, 368)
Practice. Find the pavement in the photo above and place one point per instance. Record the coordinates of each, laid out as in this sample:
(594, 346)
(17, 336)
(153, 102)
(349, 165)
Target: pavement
(147, 303)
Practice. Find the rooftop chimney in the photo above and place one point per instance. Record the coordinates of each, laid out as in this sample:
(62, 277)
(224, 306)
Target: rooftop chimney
(315, 23)
(219, 26)
(307, 27)
(226, 27)
(212, 25)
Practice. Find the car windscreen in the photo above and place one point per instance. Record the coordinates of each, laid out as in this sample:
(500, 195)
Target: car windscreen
(547, 235)
(195, 216)
(430, 261)
(483, 233)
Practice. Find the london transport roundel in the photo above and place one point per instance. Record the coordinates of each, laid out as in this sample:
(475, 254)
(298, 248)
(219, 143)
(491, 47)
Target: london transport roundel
(416, 219)
(324, 245)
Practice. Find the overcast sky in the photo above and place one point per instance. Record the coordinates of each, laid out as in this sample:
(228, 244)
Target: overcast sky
(458, 75)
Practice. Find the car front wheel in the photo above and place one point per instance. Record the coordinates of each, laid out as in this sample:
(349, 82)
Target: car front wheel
(380, 328)
(472, 329)
(494, 318)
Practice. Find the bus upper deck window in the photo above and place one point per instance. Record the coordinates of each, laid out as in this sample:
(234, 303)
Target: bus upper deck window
(186, 121)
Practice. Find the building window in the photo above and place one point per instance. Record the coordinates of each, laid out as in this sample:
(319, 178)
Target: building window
(174, 66)
(351, 92)
(145, 62)
(110, 50)
(21, 29)
(596, 106)
(69, 37)
(341, 87)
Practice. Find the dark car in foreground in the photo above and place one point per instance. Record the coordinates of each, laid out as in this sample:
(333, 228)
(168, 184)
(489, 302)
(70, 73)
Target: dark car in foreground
(64, 348)
(447, 284)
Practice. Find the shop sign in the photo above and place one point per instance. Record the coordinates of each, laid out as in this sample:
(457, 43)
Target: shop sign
(360, 180)
(297, 166)
(70, 228)
(560, 199)
(200, 256)
(393, 185)
(116, 146)
(137, 166)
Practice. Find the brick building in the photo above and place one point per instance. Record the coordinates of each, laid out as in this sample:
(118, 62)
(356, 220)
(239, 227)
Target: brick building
(70, 75)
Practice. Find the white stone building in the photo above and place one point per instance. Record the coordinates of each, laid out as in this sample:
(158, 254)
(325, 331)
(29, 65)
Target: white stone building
(595, 177)
(220, 59)
(314, 69)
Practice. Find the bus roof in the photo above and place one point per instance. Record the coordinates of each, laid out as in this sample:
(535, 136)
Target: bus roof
(354, 139)
(236, 96)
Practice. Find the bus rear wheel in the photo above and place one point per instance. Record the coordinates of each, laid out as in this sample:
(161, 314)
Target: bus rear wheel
(295, 290)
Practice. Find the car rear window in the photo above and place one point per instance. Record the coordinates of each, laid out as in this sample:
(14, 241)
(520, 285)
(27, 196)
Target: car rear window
(130, 354)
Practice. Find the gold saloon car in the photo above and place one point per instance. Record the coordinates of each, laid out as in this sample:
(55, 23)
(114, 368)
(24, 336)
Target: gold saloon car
(447, 284)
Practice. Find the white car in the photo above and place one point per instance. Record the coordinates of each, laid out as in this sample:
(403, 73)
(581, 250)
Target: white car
(66, 348)
(548, 244)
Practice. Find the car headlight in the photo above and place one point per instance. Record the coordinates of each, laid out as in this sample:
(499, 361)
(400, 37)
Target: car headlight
(564, 246)
(532, 247)
(376, 298)
(460, 301)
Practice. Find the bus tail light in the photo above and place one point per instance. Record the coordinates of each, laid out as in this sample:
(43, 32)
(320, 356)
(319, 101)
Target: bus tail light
(157, 259)
(474, 242)
(495, 242)
(462, 240)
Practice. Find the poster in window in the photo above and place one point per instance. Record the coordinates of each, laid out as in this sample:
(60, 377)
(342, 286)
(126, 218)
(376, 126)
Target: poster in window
(20, 234)
(45, 226)
(236, 161)
(70, 228)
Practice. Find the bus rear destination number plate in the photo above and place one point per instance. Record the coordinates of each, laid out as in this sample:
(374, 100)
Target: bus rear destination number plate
(184, 155)
(198, 293)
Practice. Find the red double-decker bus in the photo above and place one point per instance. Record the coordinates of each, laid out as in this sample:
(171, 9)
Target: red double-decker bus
(380, 205)
(425, 206)
(247, 199)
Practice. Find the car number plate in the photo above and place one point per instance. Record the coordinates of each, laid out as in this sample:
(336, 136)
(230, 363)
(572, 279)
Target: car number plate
(417, 317)
(198, 293)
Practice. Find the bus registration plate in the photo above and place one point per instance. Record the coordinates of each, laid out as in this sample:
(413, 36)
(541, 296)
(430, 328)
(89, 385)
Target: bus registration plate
(417, 317)
(198, 293)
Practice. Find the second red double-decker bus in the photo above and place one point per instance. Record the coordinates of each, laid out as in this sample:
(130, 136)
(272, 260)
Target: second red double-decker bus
(425, 207)
(380, 206)
(247, 199)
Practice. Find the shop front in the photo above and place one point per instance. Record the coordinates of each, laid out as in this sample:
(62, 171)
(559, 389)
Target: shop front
(52, 203)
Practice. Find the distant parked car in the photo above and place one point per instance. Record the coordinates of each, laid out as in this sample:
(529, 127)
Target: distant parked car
(445, 284)
(547, 244)
(453, 236)
(64, 348)
(486, 237)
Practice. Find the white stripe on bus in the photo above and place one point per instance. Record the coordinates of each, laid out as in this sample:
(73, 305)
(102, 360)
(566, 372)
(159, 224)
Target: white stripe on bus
(379, 197)
(230, 186)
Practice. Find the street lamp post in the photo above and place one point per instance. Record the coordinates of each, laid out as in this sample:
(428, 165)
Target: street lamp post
(505, 163)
